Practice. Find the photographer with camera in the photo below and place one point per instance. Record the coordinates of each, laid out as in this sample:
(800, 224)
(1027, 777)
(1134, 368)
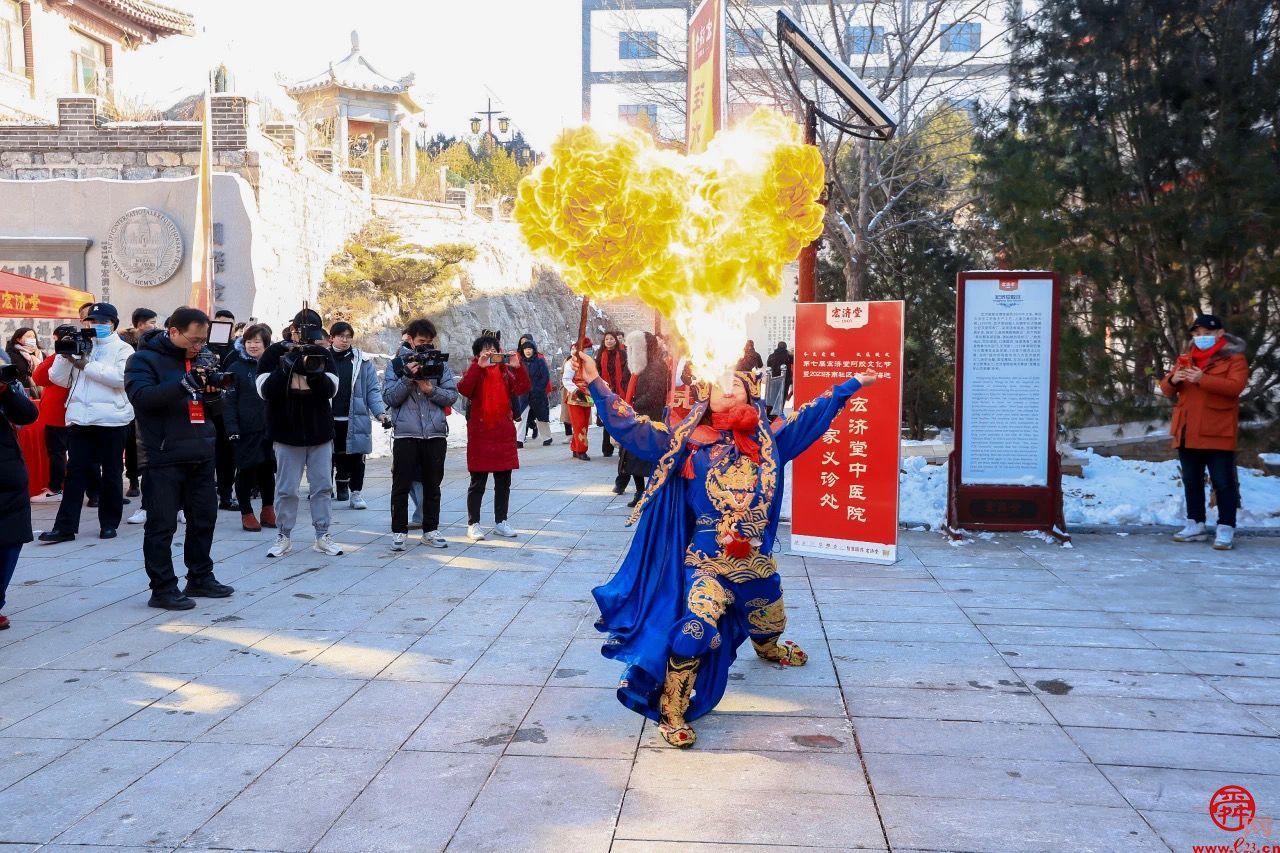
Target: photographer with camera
(417, 387)
(91, 366)
(175, 387)
(298, 378)
(15, 505)
(54, 407)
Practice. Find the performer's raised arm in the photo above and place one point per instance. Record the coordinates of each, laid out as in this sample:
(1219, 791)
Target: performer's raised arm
(647, 439)
(812, 419)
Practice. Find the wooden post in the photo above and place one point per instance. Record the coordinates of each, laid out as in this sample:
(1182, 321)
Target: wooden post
(809, 254)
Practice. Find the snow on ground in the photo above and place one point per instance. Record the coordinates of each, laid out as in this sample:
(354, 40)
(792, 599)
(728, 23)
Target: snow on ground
(1113, 491)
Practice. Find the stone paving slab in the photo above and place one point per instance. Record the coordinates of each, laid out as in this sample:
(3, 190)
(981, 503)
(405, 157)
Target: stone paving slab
(998, 695)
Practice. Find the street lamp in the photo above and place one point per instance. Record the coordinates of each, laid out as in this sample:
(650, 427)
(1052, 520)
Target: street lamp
(504, 124)
(475, 124)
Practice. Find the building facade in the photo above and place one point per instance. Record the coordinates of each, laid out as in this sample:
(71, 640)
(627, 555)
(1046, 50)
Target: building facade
(633, 55)
(52, 48)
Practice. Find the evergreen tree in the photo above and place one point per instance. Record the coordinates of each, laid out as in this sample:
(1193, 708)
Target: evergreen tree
(1142, 162)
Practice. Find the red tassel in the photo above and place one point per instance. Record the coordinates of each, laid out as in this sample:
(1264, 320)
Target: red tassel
(687, 470)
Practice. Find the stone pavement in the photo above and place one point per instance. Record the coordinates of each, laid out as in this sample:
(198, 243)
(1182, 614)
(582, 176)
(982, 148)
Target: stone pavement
(1004, 695)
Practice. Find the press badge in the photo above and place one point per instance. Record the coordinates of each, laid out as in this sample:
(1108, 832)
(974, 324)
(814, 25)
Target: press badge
(195, 408)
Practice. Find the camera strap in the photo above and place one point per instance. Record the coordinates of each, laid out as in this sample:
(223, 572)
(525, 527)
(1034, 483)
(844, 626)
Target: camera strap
(195, 406)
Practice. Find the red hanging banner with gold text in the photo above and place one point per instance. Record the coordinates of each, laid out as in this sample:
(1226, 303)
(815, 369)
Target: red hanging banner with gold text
(706, 87)
(844, 496)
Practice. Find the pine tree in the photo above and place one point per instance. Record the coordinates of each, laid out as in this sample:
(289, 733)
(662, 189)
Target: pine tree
(1142, 161)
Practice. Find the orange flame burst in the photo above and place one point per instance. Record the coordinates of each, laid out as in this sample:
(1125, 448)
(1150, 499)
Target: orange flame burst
(699, 238)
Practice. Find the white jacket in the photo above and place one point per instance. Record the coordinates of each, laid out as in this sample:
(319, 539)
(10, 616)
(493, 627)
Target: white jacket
(97, 396)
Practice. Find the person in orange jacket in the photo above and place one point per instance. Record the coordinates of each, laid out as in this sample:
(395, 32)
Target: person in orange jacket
(1206, 384)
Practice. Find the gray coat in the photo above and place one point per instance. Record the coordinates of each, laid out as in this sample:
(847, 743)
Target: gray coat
(366, 404)
(414, 414)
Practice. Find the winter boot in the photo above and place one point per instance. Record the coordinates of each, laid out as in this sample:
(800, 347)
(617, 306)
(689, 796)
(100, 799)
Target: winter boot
(249, 522)
(269, 517)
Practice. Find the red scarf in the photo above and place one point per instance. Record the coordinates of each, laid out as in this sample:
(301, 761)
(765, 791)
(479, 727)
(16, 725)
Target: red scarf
(494, 402)
(742, 419)
(1200, 357)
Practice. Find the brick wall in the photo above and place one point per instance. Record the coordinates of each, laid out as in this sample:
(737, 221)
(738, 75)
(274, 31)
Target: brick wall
(83, 145)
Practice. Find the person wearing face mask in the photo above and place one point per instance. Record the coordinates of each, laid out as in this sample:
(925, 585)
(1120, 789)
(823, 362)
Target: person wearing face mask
(53, 409)
(171, 385)
(24, 354)
(1206, 383)
(357, 403)
(245, 414)
(98, 417)
(700, 577)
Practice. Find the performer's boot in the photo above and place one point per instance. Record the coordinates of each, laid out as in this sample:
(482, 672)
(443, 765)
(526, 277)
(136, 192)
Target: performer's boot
(786, 653)
(676, 692)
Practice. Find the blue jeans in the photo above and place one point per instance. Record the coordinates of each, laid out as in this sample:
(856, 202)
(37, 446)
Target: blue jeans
(8, 562)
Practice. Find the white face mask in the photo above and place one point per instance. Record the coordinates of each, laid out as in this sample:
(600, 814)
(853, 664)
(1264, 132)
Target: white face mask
(1204, 341)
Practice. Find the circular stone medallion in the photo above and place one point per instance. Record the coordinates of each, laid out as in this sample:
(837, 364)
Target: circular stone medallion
(145, 247)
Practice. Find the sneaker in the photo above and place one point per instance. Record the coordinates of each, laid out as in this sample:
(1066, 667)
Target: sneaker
(47, 497)
(207, 588)
(397, 541)
(170, 600)
(433, 539)
(474, 533)
(325, 545)
(283, 546)
(229, 505)
(1193, 532)
(504, 529)
(139, 517)
(358, 502)
(1222, 540)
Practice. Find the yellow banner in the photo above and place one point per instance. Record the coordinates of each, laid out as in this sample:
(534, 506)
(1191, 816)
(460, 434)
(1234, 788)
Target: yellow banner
(706, 75)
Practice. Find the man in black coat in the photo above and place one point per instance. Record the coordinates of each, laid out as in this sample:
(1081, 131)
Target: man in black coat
(15, 498)
(169, 385)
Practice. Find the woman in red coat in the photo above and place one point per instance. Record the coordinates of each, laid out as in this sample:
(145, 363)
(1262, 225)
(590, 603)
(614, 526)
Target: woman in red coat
(489, 384)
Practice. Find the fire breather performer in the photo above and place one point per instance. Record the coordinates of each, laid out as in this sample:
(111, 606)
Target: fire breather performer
(700, 578)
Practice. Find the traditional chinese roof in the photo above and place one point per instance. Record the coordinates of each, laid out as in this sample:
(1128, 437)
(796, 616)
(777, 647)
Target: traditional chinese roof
(354, 72)
(142, 20)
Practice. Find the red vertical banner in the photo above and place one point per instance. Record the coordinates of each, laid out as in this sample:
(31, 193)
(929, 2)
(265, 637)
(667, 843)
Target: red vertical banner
(844, 494)
(706, 87)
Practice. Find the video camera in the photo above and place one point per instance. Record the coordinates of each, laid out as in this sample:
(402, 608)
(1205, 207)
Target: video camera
(307, 355)
(205, 372)
(74, 345)
(431, 362)
(8, 373)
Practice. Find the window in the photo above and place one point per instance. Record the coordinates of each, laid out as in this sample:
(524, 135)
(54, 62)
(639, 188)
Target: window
(637, 44)
(747, 41)
(864, 40)
(962, 38)
(13, 52)
(88, 66)
(644, 116)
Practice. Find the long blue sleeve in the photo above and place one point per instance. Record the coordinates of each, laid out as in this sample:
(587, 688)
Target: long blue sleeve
(812, 419)
(647, 439)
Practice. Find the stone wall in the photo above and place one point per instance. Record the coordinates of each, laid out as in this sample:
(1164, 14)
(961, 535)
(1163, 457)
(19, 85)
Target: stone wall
(82, 144)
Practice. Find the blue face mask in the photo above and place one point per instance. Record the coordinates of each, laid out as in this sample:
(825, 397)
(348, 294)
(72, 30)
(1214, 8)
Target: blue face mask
(101, 331)
(1204, 341)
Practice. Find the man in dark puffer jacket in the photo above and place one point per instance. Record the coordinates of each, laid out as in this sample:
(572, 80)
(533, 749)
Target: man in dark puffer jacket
(174, 406)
